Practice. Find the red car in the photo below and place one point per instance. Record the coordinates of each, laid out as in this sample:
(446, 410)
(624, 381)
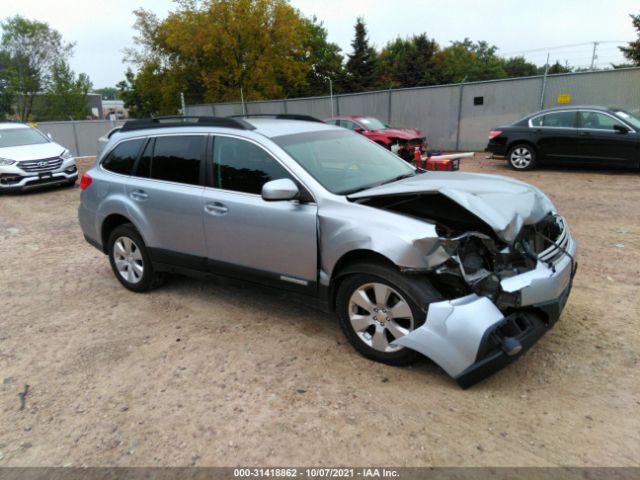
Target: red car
(401, 141)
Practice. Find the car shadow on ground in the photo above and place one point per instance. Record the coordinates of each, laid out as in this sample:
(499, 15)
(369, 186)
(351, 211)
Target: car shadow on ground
(273, 302)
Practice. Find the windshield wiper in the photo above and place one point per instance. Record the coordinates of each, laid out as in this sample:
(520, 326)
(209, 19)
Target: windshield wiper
(399, 177)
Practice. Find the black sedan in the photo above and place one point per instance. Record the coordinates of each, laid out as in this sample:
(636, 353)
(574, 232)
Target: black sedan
(584, 135)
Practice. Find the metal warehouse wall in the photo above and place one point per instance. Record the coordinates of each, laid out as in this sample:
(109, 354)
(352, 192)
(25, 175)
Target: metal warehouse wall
(447, 114)
(80, 137)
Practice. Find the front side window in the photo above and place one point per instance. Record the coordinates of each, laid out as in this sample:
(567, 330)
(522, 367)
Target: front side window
(632, 119)
(343, 162)
(173, 159)
(597, 121)
(242, 166)
(123, 156)
(556, 119)
(349, 124)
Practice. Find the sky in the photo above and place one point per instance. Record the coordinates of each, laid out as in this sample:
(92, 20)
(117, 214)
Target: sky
(565, 29)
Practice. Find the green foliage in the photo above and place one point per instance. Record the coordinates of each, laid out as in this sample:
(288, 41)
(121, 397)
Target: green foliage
(557, 68)
(362, 69)
(409, 62)
(632, 51)
(6, 86)
(141, 98)
(211, 49)
(324, 60)
(519, 67)
(34, 48)
(108, 93)
(469, 61)
(65, 97)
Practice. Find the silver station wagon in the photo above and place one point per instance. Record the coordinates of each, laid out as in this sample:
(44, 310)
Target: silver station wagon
(468, 270)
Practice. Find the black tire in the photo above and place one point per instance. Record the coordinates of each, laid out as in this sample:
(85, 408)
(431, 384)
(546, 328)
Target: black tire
(139, 255)
(416, 292)
(521, 157)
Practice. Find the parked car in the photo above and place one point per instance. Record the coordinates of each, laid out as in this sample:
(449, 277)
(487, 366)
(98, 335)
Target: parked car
(570, 135)
(401, 141)
(29, 159)
(468, 270)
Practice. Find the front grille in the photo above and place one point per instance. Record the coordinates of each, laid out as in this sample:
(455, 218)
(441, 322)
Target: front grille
(554, 252)
(44, 165)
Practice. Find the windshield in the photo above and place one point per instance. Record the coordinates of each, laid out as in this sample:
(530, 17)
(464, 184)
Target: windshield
(372, 123)
(627, 117)
(344, 162)
(16, 137)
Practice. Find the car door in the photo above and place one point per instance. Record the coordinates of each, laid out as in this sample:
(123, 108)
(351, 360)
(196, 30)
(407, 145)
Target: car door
(556, 135)
(605, 140)
(246, 236)
(166, 191)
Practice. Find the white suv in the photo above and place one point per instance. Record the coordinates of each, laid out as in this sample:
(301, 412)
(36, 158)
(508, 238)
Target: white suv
(29, 159)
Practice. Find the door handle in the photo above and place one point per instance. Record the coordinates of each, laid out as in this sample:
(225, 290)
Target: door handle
(139, 195)
(216, 208)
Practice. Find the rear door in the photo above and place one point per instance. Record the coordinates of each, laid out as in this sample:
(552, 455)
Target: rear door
(556, 135)
(246, 236)
(601, 143)
(166, 190)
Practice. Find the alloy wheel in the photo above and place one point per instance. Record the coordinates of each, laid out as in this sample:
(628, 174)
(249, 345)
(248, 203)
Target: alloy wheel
(379, 315)
(128, 259)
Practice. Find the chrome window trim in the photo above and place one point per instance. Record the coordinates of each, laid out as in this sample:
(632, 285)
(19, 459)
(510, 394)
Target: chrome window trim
(574, 110)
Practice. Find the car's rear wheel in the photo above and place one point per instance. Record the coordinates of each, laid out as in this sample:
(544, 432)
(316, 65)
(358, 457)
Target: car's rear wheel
(522, 157)
(377, 307)
(130, 260)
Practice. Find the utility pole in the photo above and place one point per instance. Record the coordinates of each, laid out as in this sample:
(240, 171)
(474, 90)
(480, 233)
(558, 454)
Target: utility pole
(593, 55)
(244, 108)
(544, 82)
(184, 108)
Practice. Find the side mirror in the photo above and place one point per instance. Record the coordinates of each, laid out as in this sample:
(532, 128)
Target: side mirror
(49, 136)
(359, 130)
(283, 189)
(621, 128)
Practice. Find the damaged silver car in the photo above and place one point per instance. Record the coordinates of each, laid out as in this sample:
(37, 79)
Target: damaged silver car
(468, 270)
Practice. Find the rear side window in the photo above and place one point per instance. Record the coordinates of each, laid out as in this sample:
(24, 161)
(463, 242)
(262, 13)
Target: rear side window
(242, 166)
(173, 159)
(557, 119)
(122, 158)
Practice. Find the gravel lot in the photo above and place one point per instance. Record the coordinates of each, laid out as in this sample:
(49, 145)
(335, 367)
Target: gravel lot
(204, 373)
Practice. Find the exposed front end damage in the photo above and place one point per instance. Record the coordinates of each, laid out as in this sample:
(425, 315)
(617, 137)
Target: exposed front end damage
(505, 280)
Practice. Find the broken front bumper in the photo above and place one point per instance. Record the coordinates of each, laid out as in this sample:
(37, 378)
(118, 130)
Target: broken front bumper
(470, 338)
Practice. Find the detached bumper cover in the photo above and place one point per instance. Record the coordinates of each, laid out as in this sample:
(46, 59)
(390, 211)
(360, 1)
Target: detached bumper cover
(470, 338)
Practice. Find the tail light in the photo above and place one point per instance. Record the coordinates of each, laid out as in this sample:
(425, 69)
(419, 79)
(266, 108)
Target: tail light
(494, 133)
(85, 181)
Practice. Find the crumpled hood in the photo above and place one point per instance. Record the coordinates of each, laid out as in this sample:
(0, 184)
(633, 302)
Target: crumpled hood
(402, 133)
(38, 151)
(502, 203)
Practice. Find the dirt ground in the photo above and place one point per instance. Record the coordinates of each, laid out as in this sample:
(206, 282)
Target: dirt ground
(204, 373)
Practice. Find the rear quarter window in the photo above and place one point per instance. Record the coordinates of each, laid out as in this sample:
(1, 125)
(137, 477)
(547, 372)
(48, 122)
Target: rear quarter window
(122, 158)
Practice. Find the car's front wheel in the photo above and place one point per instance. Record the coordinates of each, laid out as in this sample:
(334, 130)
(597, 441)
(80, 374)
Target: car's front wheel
(130, 260)
(522, 157)
(378, 307)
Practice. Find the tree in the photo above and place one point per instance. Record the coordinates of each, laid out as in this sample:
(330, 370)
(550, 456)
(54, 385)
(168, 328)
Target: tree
(469, 61)
(34, 48)
(362, 71)
(409, 62)
(6, 86)
(66, 96)
(324, 60)
(210, 50)
(557, 68)
(632, 51)
(519, 67)
(107, 93)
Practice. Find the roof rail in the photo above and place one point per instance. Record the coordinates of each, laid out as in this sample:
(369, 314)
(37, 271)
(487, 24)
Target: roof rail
(280, 116)
(188, 121)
